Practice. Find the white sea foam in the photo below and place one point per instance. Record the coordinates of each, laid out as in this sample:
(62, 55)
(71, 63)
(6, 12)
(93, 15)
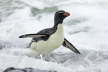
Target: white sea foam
(86, 28)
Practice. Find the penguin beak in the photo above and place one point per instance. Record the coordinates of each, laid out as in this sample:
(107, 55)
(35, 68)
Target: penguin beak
(66, 14)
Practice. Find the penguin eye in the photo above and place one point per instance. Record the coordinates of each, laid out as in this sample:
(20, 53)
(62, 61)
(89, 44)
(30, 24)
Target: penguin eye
(60, 12)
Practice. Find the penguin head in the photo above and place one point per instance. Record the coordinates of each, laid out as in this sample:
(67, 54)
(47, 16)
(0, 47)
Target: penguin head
(62, 13)
(60, 16)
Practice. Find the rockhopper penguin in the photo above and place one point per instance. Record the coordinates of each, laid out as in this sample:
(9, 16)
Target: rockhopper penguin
(50, 39)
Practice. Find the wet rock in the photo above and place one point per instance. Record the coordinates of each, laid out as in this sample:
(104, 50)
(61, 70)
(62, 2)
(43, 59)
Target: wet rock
(12, 69)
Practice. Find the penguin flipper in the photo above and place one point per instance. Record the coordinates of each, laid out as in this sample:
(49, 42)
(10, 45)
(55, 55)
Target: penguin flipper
(70, 46)
(32, 35)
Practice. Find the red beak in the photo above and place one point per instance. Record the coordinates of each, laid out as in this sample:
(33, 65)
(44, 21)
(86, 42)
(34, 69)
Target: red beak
(66, 14)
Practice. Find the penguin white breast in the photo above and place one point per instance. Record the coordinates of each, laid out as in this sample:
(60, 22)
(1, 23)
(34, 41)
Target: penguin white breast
(54, 41)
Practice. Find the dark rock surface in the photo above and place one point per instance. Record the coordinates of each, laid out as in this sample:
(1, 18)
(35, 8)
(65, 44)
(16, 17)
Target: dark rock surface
(12, 69)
